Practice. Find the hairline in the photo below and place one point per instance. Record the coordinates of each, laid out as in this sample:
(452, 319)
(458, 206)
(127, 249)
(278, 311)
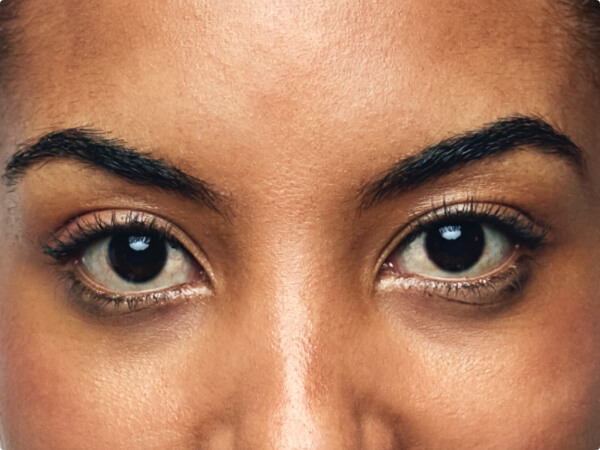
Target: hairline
(582, 26)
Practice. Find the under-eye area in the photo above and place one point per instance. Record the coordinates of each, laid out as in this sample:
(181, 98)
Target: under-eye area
(299, 225)
(119, 262)
(470, 253)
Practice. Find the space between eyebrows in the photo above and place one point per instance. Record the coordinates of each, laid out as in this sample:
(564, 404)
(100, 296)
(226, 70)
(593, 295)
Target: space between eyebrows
(90, 146)
(526, 133)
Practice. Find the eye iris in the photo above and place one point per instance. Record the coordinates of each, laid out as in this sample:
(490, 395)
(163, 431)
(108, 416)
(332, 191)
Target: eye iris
(137, 259)
(455, 246)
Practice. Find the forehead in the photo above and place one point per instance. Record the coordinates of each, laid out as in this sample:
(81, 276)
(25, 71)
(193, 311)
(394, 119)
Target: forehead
(284, 80)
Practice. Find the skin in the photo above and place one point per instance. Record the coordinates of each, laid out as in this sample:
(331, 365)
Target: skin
(287, 108)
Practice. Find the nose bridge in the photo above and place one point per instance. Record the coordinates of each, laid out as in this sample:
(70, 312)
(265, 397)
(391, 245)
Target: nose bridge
(293, 346)
(302, 406)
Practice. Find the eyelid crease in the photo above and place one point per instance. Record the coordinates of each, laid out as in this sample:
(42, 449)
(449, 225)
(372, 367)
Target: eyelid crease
(80, 232)
(519, 227)
(507, 218)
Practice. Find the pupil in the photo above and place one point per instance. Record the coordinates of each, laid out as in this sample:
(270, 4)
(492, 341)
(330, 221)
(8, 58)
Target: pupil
(455, 246)
(137, 258)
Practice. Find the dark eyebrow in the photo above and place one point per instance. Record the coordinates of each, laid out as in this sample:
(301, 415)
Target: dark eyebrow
(451, 154)
(90, 146)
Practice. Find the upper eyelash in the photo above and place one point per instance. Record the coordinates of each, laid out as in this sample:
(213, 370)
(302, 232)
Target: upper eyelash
(69, 243)
(516, 224)
(66, 245)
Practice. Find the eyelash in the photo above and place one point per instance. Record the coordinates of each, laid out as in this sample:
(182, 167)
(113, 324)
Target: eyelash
(99, 303)
(68, 246)
(515, 224)
(522, 231)
(63, 248)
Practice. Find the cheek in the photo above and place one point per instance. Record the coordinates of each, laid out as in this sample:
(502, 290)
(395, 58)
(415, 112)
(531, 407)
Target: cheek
(49, 397)
(528, 377)
(66, 382)
(61, 387)
(537, 385)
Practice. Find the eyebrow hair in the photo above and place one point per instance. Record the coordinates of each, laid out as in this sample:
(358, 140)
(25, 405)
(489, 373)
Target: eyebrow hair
(90, 146)
(454, 153)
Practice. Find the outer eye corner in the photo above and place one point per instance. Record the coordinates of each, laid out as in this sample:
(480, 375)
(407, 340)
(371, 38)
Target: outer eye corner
(462, 256)
(119, 262)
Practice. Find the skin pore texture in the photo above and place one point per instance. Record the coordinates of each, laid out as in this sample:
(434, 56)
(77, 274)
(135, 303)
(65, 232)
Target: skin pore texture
(300, 338)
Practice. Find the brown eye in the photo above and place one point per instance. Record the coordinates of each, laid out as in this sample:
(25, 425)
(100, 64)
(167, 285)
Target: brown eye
(137, 259)
(461, 249)
(455, 246)
(138, 263)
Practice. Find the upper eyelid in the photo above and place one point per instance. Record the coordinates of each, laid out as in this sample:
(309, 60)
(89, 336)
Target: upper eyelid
(89, 227)
(495, 213)
(466, 208)
(84, 229)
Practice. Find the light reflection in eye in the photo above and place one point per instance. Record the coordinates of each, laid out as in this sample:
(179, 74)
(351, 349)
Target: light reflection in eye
(124, 263)
(471, 253)
(465, 249)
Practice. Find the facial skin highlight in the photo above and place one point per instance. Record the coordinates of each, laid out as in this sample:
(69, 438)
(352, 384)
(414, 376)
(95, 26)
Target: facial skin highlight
(254, 140)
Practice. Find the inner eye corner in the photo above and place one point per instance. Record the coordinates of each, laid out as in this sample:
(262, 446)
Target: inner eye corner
(441, 234)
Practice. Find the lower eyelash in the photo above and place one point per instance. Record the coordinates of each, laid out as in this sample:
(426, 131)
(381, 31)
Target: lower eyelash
(482, 292)
(524, 233)
(105, 304)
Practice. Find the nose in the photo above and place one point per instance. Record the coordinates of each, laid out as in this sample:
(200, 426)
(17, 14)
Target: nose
(300, 409)
(299, 348)
(300, 391)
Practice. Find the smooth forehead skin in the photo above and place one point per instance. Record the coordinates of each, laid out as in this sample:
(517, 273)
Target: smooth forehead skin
(286, 108)
(231, 75)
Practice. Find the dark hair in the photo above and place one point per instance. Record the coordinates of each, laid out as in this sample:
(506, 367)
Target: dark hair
(583, 22)
(582, 25)
(588, 13)
(8, 35)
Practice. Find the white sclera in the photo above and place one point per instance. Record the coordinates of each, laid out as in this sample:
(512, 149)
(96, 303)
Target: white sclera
(179, 269)
(414, 258)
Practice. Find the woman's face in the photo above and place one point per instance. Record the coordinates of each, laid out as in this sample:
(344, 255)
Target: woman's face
(373, 237)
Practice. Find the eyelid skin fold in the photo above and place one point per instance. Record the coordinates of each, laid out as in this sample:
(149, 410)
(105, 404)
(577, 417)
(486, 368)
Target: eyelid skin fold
(509, 275)
(68, 244)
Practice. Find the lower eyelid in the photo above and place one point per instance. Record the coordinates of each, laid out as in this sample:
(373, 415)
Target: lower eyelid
(527, 237)
(84, 296)
(480, 292)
